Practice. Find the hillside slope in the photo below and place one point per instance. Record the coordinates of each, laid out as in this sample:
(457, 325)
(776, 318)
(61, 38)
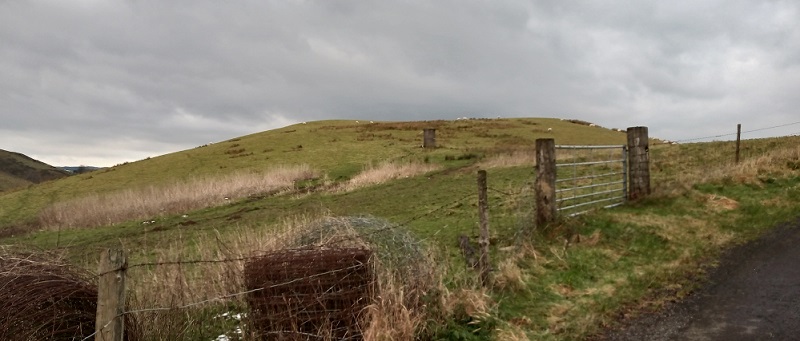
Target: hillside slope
(338, 149)
(559, 282)
(18, 170)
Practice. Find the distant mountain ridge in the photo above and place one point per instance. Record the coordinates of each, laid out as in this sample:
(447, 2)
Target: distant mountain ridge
(19, 170)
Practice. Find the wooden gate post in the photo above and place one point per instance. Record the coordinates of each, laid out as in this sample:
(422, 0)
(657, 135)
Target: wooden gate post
(638, 163)
(545, 186)
(429, 138)
(110, 323)
(483, 214)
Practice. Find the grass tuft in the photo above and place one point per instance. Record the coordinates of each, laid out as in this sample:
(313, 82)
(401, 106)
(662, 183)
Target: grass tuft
(386, 171)
(178, 198)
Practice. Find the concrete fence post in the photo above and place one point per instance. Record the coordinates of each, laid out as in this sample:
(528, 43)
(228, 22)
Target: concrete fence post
(429, 138)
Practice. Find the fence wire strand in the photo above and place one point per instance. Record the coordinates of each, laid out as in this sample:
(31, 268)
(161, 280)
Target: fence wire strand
(404, 224)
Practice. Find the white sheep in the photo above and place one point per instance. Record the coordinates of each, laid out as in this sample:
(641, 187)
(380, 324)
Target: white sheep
(592, 125)
(549, 130)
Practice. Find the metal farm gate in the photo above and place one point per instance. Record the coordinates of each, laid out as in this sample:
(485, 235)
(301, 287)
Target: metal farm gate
(590, 177)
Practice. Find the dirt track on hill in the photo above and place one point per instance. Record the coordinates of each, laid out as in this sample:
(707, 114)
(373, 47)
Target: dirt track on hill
(754, 294)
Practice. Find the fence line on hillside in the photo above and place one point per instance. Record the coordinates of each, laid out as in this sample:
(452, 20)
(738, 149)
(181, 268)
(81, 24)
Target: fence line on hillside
(733, 134)
(119, 331)
(403, 224)
(524, 191)
(239, 260)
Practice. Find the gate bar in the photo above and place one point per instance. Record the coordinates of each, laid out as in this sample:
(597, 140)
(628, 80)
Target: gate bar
(588, 163)
(588, 195)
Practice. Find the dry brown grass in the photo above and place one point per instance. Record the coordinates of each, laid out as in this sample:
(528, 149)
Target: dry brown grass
(390, 317)
(509, 276)
(474, 302)
(397, 312)
(682, 230)
(378, 174)
(511, 159)
(511, 332)
(676, 169)
(153, 201)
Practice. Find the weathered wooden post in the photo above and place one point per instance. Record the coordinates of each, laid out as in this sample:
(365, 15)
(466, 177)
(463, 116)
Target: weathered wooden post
(110, 322)
(545, 186)
(483, 214)
(638, 163)
(429, 138)
(738, 140)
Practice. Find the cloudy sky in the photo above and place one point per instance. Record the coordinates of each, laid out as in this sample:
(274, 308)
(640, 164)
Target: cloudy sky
(102, 82)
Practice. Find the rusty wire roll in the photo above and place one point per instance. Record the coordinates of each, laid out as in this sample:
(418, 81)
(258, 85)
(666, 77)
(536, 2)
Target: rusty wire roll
(44, 298)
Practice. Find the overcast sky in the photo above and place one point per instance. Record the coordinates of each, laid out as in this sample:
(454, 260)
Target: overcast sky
(103, 82)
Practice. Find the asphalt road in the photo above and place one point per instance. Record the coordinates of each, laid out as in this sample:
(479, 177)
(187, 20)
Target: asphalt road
(754, 294)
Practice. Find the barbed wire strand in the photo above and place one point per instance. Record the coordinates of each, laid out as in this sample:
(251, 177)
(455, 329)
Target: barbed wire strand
(336, 241)
(404, 223)
(733, 134)
(222, 297)
(389, 227)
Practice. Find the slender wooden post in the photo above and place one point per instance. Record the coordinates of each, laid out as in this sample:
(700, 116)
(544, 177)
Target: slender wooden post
(738, 140)
(110, 323)
(545, 186)
(638, 163)
(483, 214)
(429, 138)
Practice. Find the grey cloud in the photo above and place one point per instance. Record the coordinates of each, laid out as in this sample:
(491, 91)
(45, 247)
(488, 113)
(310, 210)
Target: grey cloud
(172, 75)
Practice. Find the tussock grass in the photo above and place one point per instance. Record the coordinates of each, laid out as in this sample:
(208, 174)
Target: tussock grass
(383, 172)
(510, 159)
(191, 297)
(180, 197)
(512, 332)
(592, 269)
(407, 278)
(509, 276)
(676, 169)
(562, 282)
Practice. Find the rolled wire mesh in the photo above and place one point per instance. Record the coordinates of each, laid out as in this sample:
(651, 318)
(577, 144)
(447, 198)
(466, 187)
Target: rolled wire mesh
(42, 298)
(298, 293)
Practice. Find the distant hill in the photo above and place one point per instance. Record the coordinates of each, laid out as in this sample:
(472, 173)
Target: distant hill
(18, 170)
(79, 169)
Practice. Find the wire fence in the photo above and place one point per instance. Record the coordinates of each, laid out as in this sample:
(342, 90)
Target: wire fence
(521, 195)
(744, 132)
(214, 297)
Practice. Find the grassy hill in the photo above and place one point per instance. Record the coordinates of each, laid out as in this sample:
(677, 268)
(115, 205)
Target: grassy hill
(18, 170)
(563, 282)
(339, 149)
